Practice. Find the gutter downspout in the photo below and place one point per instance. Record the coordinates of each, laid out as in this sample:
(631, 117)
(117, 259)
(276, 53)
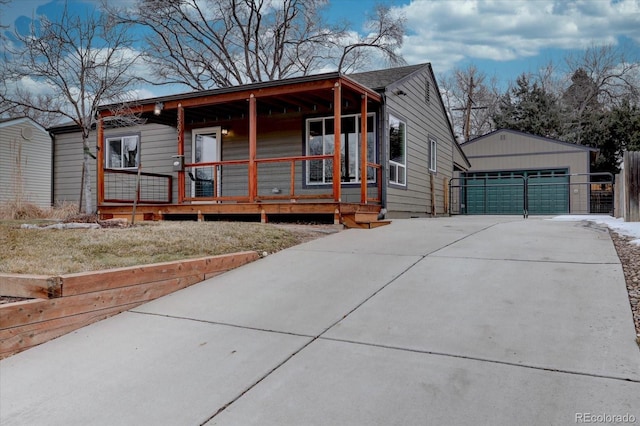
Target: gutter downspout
(384, 142)
(52, 199)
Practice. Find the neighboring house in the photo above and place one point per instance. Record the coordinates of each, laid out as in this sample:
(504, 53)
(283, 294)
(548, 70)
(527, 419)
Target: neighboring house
(25, 162)
(557, 174)
(293, 146)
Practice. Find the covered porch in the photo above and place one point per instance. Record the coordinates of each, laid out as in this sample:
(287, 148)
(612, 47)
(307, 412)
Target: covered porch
(290, 147)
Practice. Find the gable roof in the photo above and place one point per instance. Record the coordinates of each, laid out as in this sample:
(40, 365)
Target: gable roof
(517, 132)
(6, 122)
(380, 79)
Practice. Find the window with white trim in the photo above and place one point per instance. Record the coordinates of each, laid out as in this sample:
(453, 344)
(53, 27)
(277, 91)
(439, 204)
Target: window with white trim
(320, 141)
(433, 155)
(122, 152)
(397, 151)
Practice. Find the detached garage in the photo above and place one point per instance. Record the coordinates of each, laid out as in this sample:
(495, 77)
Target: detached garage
(502, 161)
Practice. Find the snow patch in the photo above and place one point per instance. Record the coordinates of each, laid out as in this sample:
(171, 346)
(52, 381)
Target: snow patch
(629, 229)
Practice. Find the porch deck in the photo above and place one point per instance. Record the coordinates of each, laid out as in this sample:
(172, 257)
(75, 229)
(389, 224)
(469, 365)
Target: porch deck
(338, 212)
(252, 170)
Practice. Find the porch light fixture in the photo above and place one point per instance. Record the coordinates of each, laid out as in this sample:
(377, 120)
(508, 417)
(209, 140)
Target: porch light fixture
(224, 131)
(158, 108)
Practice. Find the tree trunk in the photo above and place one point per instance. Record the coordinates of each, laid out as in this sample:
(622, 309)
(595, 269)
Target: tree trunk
(86, 188)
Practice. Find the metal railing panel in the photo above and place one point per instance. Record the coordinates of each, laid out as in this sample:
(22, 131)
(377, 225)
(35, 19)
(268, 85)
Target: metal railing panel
(552, 193)
(120, 186)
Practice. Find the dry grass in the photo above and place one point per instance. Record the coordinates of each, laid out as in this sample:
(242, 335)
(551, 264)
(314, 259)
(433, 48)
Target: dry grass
(66, 251)
(21, 210)
(54, 252)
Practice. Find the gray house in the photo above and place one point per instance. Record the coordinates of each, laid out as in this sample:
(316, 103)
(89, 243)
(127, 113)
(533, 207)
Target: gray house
(328, 144)
(557, 174)
(25, 162)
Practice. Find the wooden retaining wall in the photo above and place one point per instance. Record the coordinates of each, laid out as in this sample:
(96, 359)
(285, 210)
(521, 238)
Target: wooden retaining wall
(65, 303)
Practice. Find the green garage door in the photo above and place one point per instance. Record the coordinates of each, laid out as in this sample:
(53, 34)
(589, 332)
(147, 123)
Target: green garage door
(502, 192)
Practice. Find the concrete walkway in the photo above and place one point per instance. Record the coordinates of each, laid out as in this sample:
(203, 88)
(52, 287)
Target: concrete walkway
(449, 321)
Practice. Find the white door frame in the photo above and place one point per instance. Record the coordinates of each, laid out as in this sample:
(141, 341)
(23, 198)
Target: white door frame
(217, 131)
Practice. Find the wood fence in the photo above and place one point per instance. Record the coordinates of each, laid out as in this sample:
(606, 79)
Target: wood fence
(627, 202)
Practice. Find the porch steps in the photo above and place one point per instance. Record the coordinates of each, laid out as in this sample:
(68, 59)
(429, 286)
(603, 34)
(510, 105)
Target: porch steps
(363, 220)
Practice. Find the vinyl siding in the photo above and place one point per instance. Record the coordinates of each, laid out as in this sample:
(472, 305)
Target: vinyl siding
(157, 144)
(67, 167)
(424, 120)
(35, 163)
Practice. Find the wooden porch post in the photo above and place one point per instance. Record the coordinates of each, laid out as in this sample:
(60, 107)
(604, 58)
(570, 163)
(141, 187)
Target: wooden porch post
(363, 150)
(181, 153)
(100, 155)
(337, 118)
(253, 172)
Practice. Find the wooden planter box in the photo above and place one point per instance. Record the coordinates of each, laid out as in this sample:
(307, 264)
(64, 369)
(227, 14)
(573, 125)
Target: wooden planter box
(65, 303)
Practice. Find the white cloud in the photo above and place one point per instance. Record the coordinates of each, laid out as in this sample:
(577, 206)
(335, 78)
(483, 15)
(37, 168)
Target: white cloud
(443, 32)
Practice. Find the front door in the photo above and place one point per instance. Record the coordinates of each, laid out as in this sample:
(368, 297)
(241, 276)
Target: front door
(205, 149)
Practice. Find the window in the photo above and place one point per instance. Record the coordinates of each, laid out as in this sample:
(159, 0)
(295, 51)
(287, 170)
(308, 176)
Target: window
(433, 155)
(397, 151)
(122, 152)
(320, 141)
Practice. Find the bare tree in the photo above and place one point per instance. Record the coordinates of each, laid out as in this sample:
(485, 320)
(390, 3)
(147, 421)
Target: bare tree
(600, 79)
(615, 78)
(67, 68)
(386, 34)
(471, 101)
(218, 43)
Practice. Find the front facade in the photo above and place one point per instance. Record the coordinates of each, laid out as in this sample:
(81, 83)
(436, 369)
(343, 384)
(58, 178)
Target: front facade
(325, 144)
(557, 175)
(25, 162)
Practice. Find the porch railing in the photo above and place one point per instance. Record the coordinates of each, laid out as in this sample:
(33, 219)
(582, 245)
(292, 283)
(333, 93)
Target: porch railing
(267, 191)
(120, 187)
(228, 181)
(203, 181)
(378, 172)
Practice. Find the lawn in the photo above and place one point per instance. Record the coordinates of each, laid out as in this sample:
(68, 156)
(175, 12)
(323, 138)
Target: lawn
(54, 251)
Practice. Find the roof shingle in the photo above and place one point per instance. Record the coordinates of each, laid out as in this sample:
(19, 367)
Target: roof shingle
(382, 78)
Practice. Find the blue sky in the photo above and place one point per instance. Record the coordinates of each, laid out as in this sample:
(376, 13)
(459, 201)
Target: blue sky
(501, 37)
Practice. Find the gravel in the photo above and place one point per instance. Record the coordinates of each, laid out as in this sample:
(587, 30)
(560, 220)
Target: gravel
(629, 255)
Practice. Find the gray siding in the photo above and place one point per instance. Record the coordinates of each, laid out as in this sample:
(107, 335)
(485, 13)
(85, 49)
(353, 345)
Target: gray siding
(424, 120)
(23, 139)
(157, 144)
(503, 150)
(67, 167)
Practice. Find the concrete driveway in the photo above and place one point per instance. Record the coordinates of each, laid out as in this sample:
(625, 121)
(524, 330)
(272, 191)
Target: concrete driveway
(449, 321)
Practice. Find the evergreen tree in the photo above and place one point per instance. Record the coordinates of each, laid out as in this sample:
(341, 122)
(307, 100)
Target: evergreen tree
(529, 108)
(613, 132)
